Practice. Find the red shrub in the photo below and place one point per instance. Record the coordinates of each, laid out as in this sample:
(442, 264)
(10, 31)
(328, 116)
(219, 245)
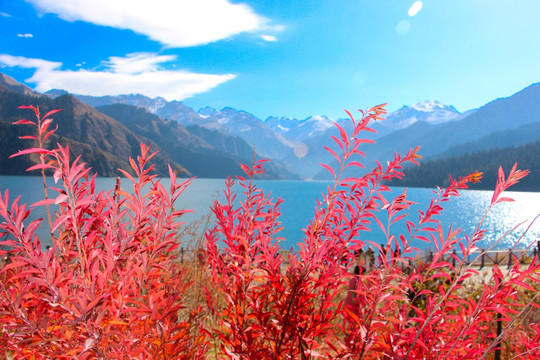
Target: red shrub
(397, 311)
(112, 286)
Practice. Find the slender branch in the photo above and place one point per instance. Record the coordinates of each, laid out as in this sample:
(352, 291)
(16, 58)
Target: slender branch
(512, 323)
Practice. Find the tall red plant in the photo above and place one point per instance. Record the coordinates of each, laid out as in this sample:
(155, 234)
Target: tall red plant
(111, 285)
(402, 308)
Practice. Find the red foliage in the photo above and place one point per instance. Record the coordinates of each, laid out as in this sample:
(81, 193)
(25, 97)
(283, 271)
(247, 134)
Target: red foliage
(111, 286)
(271, 311)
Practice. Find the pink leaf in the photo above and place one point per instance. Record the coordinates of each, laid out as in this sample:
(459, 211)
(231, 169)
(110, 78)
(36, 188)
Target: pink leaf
(343, 134)
(333, 153)
(337, 141)
(51, 113)
(49, 133)
(356, 163)
(57, 176)
(24, 122)
(246, 169)
(44, 202)
(60, 199)
(32, 151)
(329, 169)
(13, 264)
(505, 199)
(39, 167)
(59, 221)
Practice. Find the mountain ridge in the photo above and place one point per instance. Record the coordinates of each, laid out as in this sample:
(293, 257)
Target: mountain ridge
(78, 125)
(106, 144)
(297, 143)
(8, 83)
(431, 111)
(519, 109)
(435, 172)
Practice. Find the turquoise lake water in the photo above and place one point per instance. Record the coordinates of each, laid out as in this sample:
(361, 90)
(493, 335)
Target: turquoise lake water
(300, 197)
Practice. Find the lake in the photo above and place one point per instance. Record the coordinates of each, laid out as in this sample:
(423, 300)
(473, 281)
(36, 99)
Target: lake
(300, 197)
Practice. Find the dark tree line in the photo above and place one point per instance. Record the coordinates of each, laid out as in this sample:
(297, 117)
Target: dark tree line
(433, 173)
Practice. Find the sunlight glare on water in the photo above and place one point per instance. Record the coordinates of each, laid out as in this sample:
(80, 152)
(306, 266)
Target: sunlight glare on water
(463, 212)
(502, 218)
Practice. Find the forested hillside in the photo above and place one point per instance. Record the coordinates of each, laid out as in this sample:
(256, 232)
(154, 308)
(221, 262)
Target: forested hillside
(106, 139)
(106, 145)
(435, 172)
(205, 153)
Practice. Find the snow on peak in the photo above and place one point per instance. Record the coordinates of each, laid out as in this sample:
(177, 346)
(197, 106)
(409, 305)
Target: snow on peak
(431, 112)
(319, 118)
(320, 122)
(429, 105)
(207, 111)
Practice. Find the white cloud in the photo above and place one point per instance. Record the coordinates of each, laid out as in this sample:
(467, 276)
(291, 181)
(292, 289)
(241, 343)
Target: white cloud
(14, 61)
(175, 23)
(25, 35)
(269, 38)
(137, 73)
(415, 8)
(5, 14)
(137, 63)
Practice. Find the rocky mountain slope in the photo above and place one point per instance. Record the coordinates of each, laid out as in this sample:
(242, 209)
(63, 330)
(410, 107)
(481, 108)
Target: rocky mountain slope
(440, 130)
(106, 142)
(502, 115)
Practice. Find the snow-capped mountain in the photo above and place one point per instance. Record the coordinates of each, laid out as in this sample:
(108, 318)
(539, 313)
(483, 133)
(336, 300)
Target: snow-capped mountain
(279, 138)
(284, 131)
(176, 110)
(296, 145)
(206, 112)
(296, 130)
(248, 127)
(431, 112)
(171, 110)
(281, 124)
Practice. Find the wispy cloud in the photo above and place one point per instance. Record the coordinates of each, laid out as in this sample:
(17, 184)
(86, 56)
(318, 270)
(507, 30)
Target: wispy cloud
(269, 38)
(25, 36)
(4, 14)
(41, 65)
(415, 8)
(136, 73)
(175, 23)
(137, 63)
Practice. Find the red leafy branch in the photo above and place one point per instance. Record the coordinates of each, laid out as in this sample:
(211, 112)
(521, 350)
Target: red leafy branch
(113, 286)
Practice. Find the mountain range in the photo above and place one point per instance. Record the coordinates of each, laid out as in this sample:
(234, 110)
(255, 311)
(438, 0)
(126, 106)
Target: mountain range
(106, 142)
(213, 143)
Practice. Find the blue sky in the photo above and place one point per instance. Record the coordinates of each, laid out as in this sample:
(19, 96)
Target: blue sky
(292, 58)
